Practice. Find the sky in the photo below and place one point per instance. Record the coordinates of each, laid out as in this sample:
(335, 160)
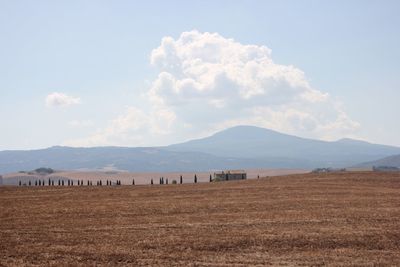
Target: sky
(149, 73)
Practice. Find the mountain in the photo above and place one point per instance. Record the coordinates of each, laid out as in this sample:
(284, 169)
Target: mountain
(263, 144)
(391, 161)
(233, 148)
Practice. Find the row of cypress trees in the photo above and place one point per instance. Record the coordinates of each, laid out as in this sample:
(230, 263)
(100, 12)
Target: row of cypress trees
(100, 183)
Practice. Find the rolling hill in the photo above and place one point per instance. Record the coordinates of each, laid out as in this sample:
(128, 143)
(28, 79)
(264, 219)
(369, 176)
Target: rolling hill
(391, 161)
(237, 147)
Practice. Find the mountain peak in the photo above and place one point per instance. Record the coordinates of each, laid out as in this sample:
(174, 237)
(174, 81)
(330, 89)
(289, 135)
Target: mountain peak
(351, 141)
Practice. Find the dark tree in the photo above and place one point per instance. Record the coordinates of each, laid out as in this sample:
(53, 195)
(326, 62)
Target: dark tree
(40, 183)
(88, 183)
(133, 181)
(81, 182)
(59, 182)
(181, 180)
(101, 183)
(62, 182)
(52, 182)
(226, 177)
(151, 181)
(166, 180)
(20, 183)
(49, 182)
(43, 183)
(29, 182)
(195, 179)
(258, 176)
(35, 183)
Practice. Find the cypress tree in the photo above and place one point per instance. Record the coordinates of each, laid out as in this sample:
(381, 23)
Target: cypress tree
(43, 183)
(62, 182)
(40, 183)
(88, 182)
(59, 182)
(133, 181)
(49, 182)
(181, 180)
(195, 179)
(151, 181)
(35, 183)
(19, 182)
(52, 182)
(258, 176)
(210, 178)
(166, 180)
(29, 182)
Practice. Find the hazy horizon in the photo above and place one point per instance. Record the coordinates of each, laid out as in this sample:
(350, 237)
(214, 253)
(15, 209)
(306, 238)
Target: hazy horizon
(188, 140)
(100, 73)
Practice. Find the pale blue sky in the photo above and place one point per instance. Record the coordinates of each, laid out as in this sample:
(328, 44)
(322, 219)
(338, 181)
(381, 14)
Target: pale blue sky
(99, 52)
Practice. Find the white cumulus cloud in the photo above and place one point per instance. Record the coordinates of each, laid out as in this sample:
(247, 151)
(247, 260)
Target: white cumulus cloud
(61, 100)
(207, 82)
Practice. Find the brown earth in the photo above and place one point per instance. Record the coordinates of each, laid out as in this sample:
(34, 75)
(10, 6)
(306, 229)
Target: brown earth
(350, 219)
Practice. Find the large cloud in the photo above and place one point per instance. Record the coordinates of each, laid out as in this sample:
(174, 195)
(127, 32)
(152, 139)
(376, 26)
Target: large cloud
(207, 82)
(61, 100)
(210, 81)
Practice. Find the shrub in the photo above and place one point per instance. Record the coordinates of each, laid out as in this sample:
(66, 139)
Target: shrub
(44, 170)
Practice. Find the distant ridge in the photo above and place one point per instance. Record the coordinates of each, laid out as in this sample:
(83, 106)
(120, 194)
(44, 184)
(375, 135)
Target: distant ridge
(391, 161)
(234, 148)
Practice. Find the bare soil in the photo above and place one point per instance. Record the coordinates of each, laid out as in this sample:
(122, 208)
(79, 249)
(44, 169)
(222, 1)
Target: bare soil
(345, 219)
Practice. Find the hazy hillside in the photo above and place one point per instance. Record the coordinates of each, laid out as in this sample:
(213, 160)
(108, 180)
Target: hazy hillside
(238, 147)
(391, 161)
(255, 142)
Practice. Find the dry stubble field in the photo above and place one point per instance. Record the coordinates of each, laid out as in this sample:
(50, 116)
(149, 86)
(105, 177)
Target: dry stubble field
(309, 219)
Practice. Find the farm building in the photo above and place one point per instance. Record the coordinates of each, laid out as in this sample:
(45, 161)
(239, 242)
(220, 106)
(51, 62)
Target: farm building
(230, 175)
